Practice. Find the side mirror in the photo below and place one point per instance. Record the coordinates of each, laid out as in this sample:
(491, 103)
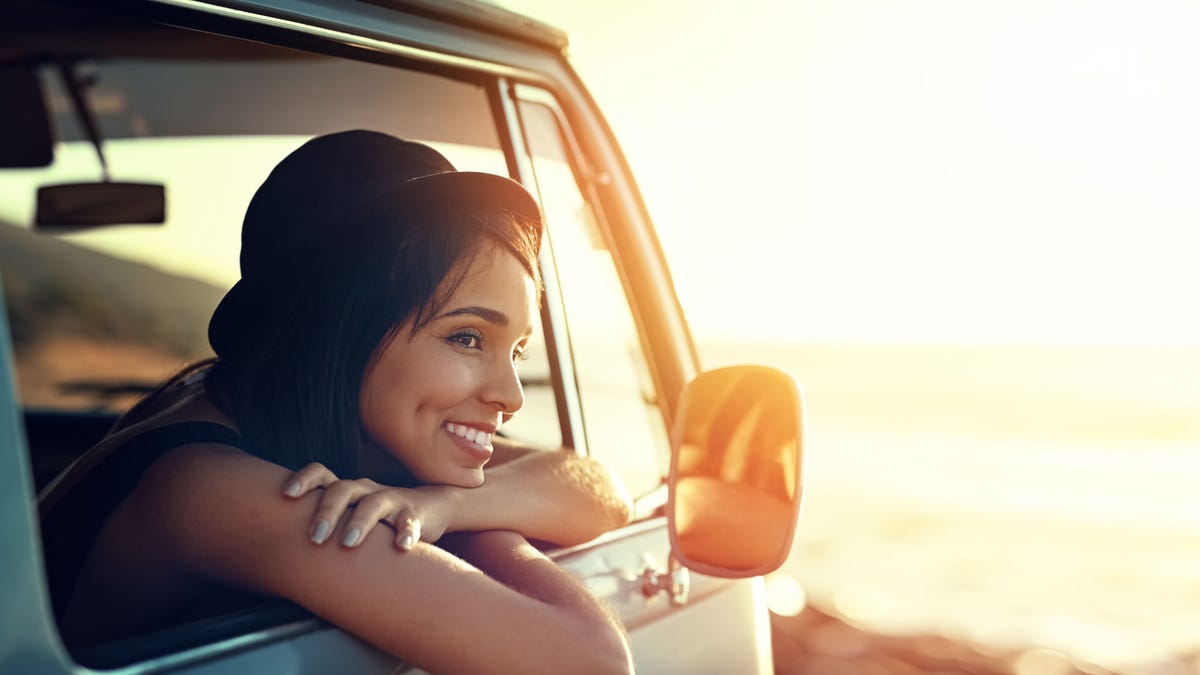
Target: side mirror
(735, 486)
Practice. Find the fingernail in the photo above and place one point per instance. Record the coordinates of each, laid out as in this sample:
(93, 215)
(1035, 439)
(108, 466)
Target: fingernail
(351, 537)
(406, 542)
(320, 532)
(292, 490)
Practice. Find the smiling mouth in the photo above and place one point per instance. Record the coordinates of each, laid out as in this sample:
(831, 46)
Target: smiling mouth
(473, 436)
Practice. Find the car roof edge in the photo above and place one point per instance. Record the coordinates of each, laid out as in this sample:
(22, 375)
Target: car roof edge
(484, 16)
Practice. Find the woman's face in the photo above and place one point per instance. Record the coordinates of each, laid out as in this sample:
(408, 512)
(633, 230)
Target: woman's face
(434, 398)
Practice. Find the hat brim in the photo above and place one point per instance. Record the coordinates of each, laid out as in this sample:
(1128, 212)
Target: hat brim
(471, 187)
(231, 311)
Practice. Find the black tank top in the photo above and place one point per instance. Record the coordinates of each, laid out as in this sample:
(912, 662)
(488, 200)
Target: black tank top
(70, 528)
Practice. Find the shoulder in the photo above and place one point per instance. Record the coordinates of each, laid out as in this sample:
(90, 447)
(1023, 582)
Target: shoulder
(112, 467)
(196, 492)
(220, 514)
(223, 516)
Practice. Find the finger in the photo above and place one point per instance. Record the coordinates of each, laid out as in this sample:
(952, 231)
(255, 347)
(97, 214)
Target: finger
(338, 496)
(372, 508)
(308, 479)
(408, 532)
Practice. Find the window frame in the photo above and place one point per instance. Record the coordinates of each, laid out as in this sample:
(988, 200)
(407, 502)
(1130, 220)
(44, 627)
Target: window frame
(587, 180)
(511, 131)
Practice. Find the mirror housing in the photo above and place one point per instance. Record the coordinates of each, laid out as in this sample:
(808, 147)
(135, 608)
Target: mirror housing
(735, 486)
(84, 205)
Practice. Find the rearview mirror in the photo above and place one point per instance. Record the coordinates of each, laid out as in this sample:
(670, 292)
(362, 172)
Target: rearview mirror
(735, 485)
(81, 205)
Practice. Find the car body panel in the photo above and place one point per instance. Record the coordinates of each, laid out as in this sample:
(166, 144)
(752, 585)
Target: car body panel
(28, 639)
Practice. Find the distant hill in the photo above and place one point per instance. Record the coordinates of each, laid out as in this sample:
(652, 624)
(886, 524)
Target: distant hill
(54, 288)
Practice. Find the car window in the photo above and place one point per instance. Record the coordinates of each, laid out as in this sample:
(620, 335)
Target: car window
(99, 316)
(622, 420)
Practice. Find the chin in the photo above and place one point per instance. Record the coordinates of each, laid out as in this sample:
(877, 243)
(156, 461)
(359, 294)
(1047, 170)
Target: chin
(457, 477)
(472, 480)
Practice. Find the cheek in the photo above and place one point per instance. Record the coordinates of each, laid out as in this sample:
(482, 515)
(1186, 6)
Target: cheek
(373, 406)
(381, 399)
(444, 383)
(420, 388)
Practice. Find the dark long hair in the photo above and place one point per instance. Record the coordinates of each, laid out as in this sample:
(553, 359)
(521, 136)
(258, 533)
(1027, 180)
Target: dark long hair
(292, 383)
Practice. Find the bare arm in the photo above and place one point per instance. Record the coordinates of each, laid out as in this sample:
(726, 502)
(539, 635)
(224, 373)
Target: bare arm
(511, 611)
(505, 450)
(557, 497)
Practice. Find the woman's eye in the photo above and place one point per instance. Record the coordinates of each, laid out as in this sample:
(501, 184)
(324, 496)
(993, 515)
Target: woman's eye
(467, 339)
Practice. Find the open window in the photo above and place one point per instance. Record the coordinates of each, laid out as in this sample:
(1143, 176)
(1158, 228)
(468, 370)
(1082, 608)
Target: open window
(623, 420)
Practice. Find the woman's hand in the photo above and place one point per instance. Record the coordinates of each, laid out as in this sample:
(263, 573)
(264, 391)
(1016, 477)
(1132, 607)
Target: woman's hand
(529, 493)
(418, 514)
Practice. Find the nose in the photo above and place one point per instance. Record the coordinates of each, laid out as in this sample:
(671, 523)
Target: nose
(504, 390)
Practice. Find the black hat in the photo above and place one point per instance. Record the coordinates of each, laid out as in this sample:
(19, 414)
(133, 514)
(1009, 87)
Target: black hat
(315, 193)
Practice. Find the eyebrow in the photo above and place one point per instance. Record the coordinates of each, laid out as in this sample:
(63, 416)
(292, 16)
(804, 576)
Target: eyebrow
(485, 313)
(488, 314)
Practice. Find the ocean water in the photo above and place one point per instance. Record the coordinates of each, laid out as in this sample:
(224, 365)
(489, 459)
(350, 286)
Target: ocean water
(1011, 497)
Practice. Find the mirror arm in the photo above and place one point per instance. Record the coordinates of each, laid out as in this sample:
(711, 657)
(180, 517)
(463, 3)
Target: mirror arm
(75, 86)
(675, 580)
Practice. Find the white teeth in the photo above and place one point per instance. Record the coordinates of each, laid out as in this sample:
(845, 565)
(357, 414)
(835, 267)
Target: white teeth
(470, 433)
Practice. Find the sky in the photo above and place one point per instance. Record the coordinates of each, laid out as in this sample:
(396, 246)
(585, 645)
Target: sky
(934, 171)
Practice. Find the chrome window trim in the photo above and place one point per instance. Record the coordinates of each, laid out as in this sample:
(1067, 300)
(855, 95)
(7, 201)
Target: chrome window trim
(574, 430)
(221, 648)
(363, 42)
(626, 532)
(489, 17)
(591, 180)
(632, 249)
(651, 503)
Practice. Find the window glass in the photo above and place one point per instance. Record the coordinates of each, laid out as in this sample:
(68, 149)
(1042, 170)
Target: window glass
(99, 316)
(622, 420)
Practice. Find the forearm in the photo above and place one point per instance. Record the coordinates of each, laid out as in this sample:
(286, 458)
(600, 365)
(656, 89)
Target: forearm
(552, 496)
(509, 559)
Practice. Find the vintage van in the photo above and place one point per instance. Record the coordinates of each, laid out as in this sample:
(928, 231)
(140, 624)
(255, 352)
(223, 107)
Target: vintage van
(133, 136)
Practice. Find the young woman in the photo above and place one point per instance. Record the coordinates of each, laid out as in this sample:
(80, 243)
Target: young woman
(375, 335)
